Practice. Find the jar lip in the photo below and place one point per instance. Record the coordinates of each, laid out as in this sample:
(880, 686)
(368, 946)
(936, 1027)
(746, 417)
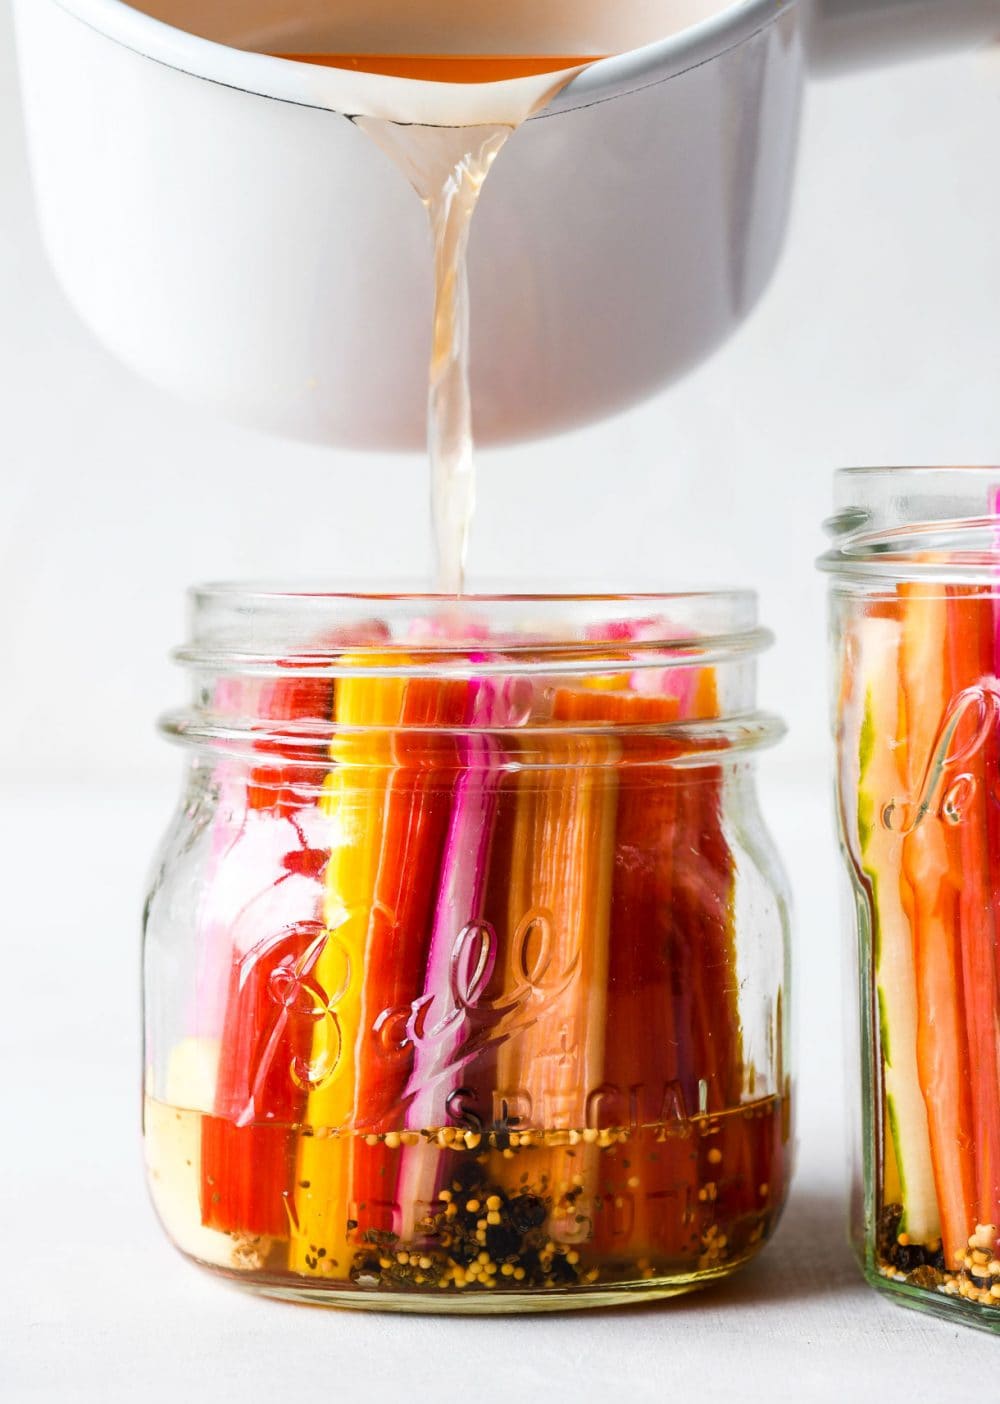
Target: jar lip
(267, 660)
(401, 593)
(857, 470)
(919, 523)
(261, 627)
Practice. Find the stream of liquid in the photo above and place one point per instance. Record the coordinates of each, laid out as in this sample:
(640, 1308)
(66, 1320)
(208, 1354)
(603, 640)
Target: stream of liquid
(447, 167)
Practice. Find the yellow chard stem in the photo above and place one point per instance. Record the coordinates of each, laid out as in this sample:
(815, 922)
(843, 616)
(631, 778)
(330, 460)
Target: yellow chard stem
(354, 803)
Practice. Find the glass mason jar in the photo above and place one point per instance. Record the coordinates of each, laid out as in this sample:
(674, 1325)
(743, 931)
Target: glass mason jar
(916, 631)
(466, 951)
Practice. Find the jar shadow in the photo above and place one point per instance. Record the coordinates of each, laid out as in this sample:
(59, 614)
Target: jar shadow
(810, 1256)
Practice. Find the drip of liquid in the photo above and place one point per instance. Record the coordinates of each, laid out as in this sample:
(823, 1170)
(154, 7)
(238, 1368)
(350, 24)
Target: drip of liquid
(447, 167)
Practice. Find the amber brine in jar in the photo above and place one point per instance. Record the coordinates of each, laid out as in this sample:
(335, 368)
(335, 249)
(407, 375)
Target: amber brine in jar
(916, 615)
(466, 953)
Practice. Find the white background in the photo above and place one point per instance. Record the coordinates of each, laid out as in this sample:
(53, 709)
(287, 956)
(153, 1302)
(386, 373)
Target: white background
(878, 342)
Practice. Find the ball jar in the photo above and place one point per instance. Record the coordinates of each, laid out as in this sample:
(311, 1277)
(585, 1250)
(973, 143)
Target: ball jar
(915, 591)
(466, 951)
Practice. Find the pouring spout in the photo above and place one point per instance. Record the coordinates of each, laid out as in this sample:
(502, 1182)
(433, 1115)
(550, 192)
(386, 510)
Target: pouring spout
(853, 34)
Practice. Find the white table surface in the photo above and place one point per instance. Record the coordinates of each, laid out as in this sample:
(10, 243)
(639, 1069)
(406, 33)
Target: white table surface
(97, 1306)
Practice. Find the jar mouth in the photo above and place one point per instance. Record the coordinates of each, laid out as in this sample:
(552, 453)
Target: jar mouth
(311, 630)
(916, 523)
(307, 670)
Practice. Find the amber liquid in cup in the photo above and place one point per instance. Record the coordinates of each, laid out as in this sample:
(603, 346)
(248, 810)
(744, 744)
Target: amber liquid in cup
(449, 68)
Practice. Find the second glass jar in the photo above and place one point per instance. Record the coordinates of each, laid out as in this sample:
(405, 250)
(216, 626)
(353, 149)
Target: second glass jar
(915, 597)
(466, 953)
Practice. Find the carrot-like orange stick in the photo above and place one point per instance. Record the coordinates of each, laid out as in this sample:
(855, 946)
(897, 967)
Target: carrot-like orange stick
(992, 747)
(647, 1077)
(970, 637)
(287, 779)
(247, 1152)
(418, 809)
(942, 1054)
(704, 935)
(557, 931)
(673, 1027)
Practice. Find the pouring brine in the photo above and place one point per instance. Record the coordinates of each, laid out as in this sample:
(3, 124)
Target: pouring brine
(447, 166)
(181, 168)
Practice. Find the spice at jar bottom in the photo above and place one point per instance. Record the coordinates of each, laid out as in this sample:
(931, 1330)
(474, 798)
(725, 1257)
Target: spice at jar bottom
(916, 609)
(466, 954)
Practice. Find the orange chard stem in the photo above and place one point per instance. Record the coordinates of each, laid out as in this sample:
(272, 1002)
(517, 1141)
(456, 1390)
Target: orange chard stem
(928, 869)
(970, 638)
(418, 809)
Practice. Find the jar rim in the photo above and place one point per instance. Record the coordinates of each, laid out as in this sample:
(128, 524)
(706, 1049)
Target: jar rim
(402, 592)
(307, 629)
(515, 655)
(915, 523)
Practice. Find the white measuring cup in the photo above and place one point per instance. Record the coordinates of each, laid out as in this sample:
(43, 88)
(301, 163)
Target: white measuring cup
(221, 224)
